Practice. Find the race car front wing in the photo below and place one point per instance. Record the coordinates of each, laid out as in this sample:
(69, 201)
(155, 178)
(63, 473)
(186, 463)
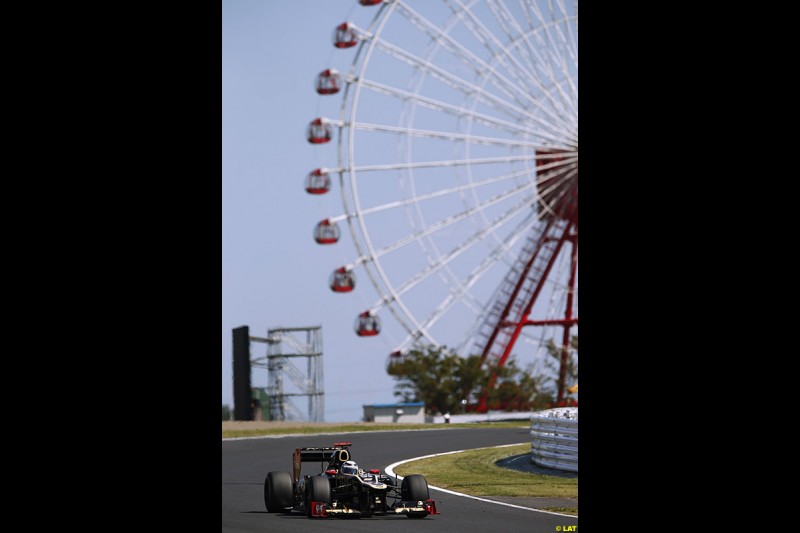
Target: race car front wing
(418, 508)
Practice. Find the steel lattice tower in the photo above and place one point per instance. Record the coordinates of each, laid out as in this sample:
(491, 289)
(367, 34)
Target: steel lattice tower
(286, 380)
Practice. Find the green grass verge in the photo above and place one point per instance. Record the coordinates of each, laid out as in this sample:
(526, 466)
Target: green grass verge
(352, 428)
(474, 472)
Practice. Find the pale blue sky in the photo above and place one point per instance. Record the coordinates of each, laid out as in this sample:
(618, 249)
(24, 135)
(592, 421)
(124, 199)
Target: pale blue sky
(274, 274)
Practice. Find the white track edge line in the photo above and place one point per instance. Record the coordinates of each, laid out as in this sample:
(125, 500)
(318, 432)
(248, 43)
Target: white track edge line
(390, 471)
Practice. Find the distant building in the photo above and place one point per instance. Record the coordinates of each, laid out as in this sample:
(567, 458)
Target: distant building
(405, 413)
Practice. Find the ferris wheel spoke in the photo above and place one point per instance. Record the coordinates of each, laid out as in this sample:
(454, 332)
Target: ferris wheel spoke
(556, 164)
(451, 163)
(472, 139)
(517, 93)
(510, 25)
(502, 51)
(448, 221)
(571, 48)
(559, 189)
(560, 173)
(556, 183)
(461, 292)
(463, 246)
(461, 287)
(554, 49)
(461, 112)
(430, 196)
(393, 298)
(470, 89)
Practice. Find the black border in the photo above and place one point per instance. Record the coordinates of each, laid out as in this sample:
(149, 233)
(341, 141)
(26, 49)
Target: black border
(139, 256)
(655, 223)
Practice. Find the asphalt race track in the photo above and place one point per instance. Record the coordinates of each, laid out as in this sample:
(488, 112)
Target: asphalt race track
(245, 464)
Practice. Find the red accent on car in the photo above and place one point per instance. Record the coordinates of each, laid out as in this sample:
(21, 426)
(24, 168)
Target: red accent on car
(319, 509)
(430, 506)
(342, 443)
(374, 471)
(331, 471)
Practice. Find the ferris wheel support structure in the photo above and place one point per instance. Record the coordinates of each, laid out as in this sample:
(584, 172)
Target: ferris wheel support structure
(514, 300)
(514, 328)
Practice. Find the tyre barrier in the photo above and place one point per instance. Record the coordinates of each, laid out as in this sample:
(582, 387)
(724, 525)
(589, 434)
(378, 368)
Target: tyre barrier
(554, 439)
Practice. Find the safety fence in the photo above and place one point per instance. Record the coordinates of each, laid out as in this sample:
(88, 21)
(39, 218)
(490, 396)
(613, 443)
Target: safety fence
(554, 439)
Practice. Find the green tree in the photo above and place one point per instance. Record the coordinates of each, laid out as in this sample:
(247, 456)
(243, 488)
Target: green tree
(432, 375)
(517, 390)
(442, 379)
(226, 412)
(553, 363)
(471, 378)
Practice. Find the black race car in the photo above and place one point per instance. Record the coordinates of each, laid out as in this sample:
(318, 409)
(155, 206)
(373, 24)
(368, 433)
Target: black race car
(343, 489)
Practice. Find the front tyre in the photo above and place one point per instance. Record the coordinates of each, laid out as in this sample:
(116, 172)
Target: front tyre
(415, 489)
(318, 490)
(278, 492)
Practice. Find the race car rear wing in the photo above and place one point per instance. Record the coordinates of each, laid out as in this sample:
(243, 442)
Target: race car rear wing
(335, 454)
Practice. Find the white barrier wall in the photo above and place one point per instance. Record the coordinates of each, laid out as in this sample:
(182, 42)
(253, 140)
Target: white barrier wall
(554, 438)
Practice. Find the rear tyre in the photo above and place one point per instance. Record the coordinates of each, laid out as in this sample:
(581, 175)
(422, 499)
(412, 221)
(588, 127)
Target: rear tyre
(278, 492)
(318, 490)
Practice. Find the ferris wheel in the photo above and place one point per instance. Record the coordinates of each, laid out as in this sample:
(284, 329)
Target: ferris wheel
(455, 125)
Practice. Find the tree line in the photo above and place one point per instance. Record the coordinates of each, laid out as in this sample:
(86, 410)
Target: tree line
(449, 383)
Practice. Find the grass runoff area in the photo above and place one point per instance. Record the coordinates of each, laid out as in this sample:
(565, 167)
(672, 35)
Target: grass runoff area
(309, 429)
(472, 472)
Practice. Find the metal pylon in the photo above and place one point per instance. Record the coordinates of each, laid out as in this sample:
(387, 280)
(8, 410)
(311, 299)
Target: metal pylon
(286, 381)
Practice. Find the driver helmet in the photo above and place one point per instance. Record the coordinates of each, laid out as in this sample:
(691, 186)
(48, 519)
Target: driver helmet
(349, 467)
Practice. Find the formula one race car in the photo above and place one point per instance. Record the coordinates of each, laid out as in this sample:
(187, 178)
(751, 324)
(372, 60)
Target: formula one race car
(343, 489)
